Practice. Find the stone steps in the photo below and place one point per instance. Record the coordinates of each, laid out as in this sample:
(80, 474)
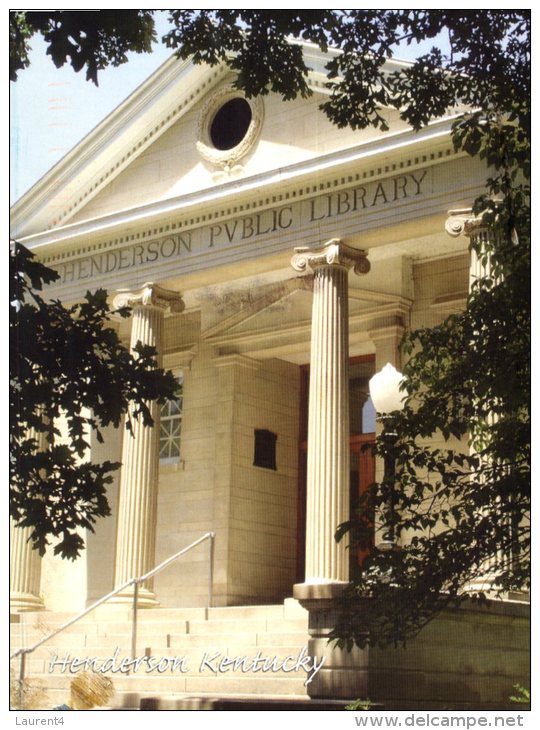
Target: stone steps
(102, 645)
(204, 702)
(234, 646)
(199, 639)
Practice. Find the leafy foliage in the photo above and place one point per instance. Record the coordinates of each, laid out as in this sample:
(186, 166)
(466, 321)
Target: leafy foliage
(464, 508)
(360, 705)
(254, 43)
(522, 695)
(88, 38)
(484, 68)
(66, 363)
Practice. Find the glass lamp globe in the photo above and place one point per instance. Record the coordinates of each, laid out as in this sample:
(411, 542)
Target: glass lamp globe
(385, 392)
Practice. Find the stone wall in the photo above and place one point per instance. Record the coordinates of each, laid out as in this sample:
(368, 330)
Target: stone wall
(255, 507)
(465, 659)
(186, 490)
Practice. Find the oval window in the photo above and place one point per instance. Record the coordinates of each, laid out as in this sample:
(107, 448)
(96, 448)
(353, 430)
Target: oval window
(230, 124)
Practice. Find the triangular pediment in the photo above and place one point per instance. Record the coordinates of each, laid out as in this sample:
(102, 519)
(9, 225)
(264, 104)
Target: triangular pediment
(155, 147)
(251, 315)
(112, 147)
(182, 161)
(291, 310)
(251, 311)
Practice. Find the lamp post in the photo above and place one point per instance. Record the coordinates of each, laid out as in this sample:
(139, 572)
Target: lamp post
(384, 388)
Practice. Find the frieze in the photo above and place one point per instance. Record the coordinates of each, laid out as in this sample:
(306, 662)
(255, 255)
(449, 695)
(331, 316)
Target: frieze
(175, 246)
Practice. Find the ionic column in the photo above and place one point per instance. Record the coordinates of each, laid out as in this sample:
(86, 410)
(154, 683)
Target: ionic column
(463, 222)
(328, 425)
(137, 506)
(24, 560)
(24, 571)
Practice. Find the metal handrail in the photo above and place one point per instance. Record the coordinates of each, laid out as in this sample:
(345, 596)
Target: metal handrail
(135, 582)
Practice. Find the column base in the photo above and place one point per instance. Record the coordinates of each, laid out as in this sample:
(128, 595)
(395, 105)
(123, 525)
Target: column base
(344, 674)
(318, 590)
(145, 598)
(19, 602)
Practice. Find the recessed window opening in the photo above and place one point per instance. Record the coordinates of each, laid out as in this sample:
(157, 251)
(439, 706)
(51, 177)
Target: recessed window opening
(230, 124)
(265, 449)
(170, 426)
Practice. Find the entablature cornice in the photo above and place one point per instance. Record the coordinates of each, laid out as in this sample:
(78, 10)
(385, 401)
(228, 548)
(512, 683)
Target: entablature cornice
(453, 302)
(262, 219)
(404, 304)
(382, 332)
(180, 358)
(235, 360)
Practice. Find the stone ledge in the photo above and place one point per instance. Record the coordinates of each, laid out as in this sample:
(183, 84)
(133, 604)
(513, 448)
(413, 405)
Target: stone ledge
(318, 591)
(244, 702)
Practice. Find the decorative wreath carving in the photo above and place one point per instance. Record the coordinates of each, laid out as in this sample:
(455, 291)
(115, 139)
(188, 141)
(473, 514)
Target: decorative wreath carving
(226, 159)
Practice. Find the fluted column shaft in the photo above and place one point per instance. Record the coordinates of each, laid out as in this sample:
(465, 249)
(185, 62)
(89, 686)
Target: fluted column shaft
(328, 424)
(137, 507)
(463, 222)
(24, 560)
(24, 571)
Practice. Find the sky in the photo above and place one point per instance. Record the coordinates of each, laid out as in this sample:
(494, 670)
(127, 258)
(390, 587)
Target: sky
(52, 109)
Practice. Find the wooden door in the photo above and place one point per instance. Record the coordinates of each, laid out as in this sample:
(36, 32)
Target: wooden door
(362, 475)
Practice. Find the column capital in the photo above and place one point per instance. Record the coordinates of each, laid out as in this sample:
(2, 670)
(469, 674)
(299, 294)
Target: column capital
(149, 295)
(332, 253)
(462, 222)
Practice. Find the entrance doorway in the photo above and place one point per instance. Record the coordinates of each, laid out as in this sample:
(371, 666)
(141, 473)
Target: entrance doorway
(362, 462)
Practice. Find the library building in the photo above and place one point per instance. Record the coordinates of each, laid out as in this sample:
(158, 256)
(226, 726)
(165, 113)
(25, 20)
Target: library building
(275, 262)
